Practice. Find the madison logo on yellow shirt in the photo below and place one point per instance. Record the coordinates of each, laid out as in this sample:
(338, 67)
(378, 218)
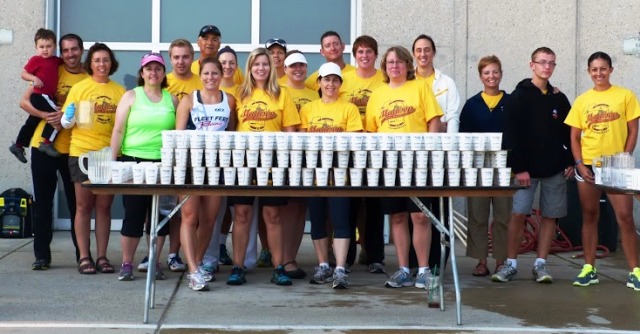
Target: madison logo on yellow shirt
(360, 98)
(394, 113)
(599, 116)
(256, 115)
(104, 109)
(324, 124)
(299, 102)
(61, 94)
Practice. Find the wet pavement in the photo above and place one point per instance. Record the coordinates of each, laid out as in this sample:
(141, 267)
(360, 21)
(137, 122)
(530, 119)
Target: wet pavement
(62, 301)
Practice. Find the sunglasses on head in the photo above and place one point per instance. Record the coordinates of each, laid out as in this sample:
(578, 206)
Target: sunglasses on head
(277, 41)
(149, 54)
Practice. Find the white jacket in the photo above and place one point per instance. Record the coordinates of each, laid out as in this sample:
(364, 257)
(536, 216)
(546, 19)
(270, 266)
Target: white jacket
(449, 100)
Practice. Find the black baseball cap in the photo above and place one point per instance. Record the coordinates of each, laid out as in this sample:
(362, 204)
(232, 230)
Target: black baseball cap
(209, 29)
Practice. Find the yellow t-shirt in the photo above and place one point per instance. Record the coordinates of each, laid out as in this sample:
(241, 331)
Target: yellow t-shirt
(491, 100)
(602, 116)
(237, 75)
(65, 81)
(357, 90)
(429, 80)
(282, 81)
(180, 87)
(312, 80)
(106, 98)
(302, 96)
(338, 116)
(233, 90)
(404, 109)
(259, 112)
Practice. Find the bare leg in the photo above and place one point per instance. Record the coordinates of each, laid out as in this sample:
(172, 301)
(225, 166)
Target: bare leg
(400, 229)
(274, 233)
(240, 235)
(421, 237)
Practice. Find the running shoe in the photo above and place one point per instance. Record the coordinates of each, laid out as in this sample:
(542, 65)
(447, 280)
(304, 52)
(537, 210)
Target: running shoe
(280, 278)
(399, 279)
(340, 279)
(540, 274)
(237, 276)
(588, 275)
(175, 264)
(323, 275)
(634, 279)
(126, 272)
(505, 274)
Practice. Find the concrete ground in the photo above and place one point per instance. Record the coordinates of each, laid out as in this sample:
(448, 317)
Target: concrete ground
(62, 301)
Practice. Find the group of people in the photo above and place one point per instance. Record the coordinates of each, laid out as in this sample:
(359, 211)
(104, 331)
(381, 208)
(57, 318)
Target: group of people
(549, 141)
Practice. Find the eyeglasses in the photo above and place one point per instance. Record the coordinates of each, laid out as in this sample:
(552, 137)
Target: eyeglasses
(276, 41)
(545, 63)
(396, 62)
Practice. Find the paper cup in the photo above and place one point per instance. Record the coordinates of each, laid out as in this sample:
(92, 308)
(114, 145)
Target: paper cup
(449, 141)
(355, 177)
(307, 176)
(295, 176)
(238, 157)
(229, 176)
(182, 138)
(262, 176)
(405, 176)
(196, 157)
(296, 158)
(465, 141)
(417, 142)
(343, 159)
(359, 159)
(210, 157)
(371, 142)
(340, 177)
(429, 141)
(322, 177)
(420, 177)
(117, 172)
(437, 159)
(181, 157)
(402, 142)
(437, 177)
(326, 159)
(166, 156)
(387, 142)
(438, 141)
(253, 141)
(196, 139)
(179, 174)
(168, 139)
(313, 141)
(224, 157)
(283, 158)
(422, 159)
(375, 159)
(225, 140)
(297, 141)
(240, 140)
(268, 141)
(282, 141)
(266, 158)
(311, 159)
(453, 177)
(252, 158)
(486, 177)
(470, 177)
(244, 176)
(495, 141)
(391, 159)
(478, 141)
(213, 176)
(453, 159)
(373, 177)
(389, 175)
(499, 158)
(478, 159)
(504, 177)
(466, 159)
(327, 142)
(211, 140)
(406, 158)
(198, 175)
(356, 142)
(165, 174)
(138, 173)
(277, 176)
(342, 141)
(151, 173)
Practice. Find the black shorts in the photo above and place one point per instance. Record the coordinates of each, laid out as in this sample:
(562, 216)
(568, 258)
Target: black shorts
(391, 205)
(74, 170)
(264, 201)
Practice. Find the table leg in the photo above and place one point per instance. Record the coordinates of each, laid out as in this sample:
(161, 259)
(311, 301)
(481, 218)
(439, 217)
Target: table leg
(454, 265)
(151, 272)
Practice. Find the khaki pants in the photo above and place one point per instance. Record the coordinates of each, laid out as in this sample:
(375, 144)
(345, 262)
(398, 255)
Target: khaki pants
(478, 209)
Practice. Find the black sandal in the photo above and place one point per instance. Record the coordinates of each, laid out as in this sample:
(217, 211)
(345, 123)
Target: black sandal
(103, 265)
(296, 273)
(86, 266)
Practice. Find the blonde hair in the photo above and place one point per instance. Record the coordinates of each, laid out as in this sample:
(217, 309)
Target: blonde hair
(404, 55)
(271, 87)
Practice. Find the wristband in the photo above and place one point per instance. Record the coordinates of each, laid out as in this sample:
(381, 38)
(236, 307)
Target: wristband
(578, 162)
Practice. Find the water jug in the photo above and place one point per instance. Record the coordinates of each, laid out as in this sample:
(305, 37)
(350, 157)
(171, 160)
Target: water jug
(99, 163)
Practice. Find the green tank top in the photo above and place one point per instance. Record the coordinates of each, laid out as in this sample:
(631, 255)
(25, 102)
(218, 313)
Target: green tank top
(143, 132)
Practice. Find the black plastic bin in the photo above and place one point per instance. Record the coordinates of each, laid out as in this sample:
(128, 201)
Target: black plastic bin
(571, 225)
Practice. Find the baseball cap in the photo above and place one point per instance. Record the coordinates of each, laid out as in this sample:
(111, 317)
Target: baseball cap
(209, 29)
(151, 56)
(295, 58)
(328, 69)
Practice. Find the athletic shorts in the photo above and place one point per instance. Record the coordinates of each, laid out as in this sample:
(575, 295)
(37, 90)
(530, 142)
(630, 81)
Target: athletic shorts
(553, 196)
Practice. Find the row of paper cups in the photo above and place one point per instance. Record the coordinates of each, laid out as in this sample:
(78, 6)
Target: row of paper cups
(372, 177)
(332, 141)
(196, 157)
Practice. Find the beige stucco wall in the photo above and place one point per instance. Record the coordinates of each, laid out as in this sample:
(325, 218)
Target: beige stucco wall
(23, 18)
